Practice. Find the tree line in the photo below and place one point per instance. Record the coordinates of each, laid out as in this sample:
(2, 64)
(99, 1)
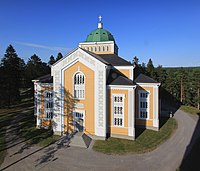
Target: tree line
(182, 83)
(15, 74)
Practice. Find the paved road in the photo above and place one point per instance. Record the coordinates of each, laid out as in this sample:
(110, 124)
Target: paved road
(167, 157)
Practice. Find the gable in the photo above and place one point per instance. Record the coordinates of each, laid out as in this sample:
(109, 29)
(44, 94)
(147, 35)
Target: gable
(77, 55)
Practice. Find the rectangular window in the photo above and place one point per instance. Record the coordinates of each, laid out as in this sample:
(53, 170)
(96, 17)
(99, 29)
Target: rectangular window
(48, 104)
(118, 110)
(143, 104)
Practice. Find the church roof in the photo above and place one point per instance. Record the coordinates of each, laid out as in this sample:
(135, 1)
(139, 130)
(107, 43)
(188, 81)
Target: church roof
(115, 60)
(144, 79)
(117, 78)
(109, 59)
(45, 79)
(96, 56)
(120, 80)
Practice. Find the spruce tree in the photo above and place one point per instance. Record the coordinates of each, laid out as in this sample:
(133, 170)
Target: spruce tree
(34, 69)
(51, 60)
(12, 70)
(150, 67)
(59, 56)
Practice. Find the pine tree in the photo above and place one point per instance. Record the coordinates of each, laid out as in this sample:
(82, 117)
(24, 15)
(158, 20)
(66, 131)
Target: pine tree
(51, 60)
(59, 56)
(12, 70)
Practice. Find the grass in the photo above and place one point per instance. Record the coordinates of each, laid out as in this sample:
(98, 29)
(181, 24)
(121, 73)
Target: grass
(146, 142)
(189, 109)
(5, 117)
(29, 132)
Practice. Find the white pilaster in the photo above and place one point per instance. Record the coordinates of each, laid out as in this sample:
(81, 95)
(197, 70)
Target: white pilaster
(100, 102)
(38, 102)
(156, 107)
(131, 113)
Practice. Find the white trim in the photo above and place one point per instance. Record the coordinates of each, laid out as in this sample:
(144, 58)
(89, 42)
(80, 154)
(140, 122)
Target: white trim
(148, 84)
(95, 43)
(120, 87)
(156, 107)
(46, 84)
(131, 113)
(122, 67)
(38, 109)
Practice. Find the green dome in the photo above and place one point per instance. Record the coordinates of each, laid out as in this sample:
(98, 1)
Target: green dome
(100, 35)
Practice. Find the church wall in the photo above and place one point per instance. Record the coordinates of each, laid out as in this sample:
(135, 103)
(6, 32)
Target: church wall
(126, 72)
(145, 122)
(116, 130)
(86, 104)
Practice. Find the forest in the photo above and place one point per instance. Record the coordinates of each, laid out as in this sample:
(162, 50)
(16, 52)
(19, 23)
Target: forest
(181, 83)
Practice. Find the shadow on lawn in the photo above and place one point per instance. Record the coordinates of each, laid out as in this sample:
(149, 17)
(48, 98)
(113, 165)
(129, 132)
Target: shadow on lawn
(20, 126)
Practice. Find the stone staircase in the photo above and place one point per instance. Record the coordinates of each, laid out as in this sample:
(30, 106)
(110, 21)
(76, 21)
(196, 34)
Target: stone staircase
(80, 139)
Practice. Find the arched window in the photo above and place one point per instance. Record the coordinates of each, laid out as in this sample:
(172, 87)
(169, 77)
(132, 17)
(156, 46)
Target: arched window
(79, 85)
(103, 49)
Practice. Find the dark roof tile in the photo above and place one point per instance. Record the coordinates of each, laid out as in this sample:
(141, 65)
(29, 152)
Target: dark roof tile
(117, 78)
(115, 60)
(144, 79)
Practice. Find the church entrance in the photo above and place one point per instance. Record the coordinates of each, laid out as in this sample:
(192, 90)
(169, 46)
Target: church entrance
(78, 121)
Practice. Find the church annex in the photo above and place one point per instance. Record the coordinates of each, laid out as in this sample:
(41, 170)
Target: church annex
(94, 91)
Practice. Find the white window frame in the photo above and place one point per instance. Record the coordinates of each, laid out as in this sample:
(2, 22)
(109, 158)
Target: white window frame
(79, 89)
(48, 110)
(118, 105)
(140, 99)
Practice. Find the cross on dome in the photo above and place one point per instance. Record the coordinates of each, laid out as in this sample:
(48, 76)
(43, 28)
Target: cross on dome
(100, 17)
(100, 24)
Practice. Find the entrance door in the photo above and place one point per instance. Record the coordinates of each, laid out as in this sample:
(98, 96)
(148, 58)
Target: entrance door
(79, 121)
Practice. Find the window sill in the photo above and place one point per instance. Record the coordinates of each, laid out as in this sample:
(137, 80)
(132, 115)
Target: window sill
(115, 126)
(144, 118)
(79, 98)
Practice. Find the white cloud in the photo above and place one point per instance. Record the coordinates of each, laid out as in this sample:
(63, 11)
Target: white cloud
(43, 46)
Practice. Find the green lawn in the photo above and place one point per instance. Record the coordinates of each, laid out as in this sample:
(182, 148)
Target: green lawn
(29, 132)
(5, 117)
(147, 141)
(191, 110)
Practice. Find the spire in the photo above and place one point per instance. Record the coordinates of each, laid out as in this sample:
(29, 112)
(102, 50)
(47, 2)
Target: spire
(100, 24)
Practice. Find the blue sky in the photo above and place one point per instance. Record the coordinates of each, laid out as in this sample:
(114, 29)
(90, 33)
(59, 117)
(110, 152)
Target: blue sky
(168, 31)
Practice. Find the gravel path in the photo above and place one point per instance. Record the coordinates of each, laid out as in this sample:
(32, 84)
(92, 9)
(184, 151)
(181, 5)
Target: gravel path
(167, 157)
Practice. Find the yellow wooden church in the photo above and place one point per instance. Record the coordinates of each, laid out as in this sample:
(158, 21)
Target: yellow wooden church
(94, 91)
